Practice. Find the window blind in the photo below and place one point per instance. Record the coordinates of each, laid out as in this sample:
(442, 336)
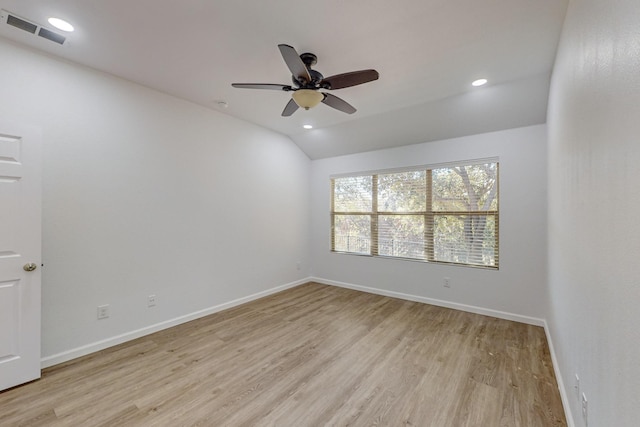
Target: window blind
(443, 214)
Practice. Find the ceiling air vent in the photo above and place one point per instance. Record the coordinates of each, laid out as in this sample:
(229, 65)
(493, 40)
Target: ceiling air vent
(21, 23)
(30, 27)
(50, 35)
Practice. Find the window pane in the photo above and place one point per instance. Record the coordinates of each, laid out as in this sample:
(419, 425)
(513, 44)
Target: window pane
(466, 188)
(466, 239)
(402, 192)
(401, 236)
(352, 194)
(352, 233)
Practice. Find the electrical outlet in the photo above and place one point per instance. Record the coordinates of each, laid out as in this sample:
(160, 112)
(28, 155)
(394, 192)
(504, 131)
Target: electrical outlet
(446, 282)
(151, 300)
(298, 265)
(576, 387)
(584, 410)
(103, 311)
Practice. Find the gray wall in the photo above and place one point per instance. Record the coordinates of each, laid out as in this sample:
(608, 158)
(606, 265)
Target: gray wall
(517, 288)
(594, 200)
(147, 194)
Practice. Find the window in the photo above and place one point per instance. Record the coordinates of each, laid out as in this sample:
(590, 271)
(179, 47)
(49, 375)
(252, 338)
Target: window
(445, 214)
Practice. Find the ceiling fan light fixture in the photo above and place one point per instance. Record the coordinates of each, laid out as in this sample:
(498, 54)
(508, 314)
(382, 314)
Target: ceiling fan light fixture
(307, 98)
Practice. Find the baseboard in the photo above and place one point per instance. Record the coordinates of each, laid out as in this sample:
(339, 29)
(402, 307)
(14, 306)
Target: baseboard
(556, 369)
(128, 336)
(65, 356)
(440, 303)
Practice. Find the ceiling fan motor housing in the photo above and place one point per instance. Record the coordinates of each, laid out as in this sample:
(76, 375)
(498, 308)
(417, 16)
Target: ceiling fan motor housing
(316, 78)
(309, 59)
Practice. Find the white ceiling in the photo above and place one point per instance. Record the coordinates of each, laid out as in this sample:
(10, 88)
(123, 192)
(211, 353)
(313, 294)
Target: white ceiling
(426, 51)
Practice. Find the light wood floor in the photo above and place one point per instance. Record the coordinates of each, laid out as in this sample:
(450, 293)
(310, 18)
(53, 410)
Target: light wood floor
(311, 356)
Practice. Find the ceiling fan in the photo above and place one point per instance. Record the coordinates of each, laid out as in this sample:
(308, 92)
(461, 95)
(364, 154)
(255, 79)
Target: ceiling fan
(307, 83)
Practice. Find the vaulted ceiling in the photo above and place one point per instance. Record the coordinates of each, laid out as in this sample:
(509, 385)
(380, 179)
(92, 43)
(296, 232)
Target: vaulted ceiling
(427, 53)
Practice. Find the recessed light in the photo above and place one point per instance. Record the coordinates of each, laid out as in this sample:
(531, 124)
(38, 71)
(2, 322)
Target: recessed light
(61, 24)
(307, 127)
(479, 82)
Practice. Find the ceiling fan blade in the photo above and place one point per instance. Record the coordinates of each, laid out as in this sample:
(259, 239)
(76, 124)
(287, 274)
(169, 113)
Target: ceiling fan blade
(261, 86)
(338, 103)
(290, 108)
(295, 64)
(353, 78)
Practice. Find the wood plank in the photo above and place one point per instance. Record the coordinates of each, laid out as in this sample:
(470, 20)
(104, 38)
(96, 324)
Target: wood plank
(309, 356)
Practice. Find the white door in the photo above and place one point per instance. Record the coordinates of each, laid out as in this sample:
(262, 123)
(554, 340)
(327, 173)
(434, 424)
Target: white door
(20, 243)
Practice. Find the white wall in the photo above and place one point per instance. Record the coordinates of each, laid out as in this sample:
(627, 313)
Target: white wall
(594, 201)
(517, 288)
(147, 194)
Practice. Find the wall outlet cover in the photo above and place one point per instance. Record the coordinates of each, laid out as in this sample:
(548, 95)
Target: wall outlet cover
(584, 410)
(103, 311)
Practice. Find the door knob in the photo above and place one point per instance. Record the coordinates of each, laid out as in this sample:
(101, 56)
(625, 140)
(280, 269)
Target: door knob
(30, 267)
